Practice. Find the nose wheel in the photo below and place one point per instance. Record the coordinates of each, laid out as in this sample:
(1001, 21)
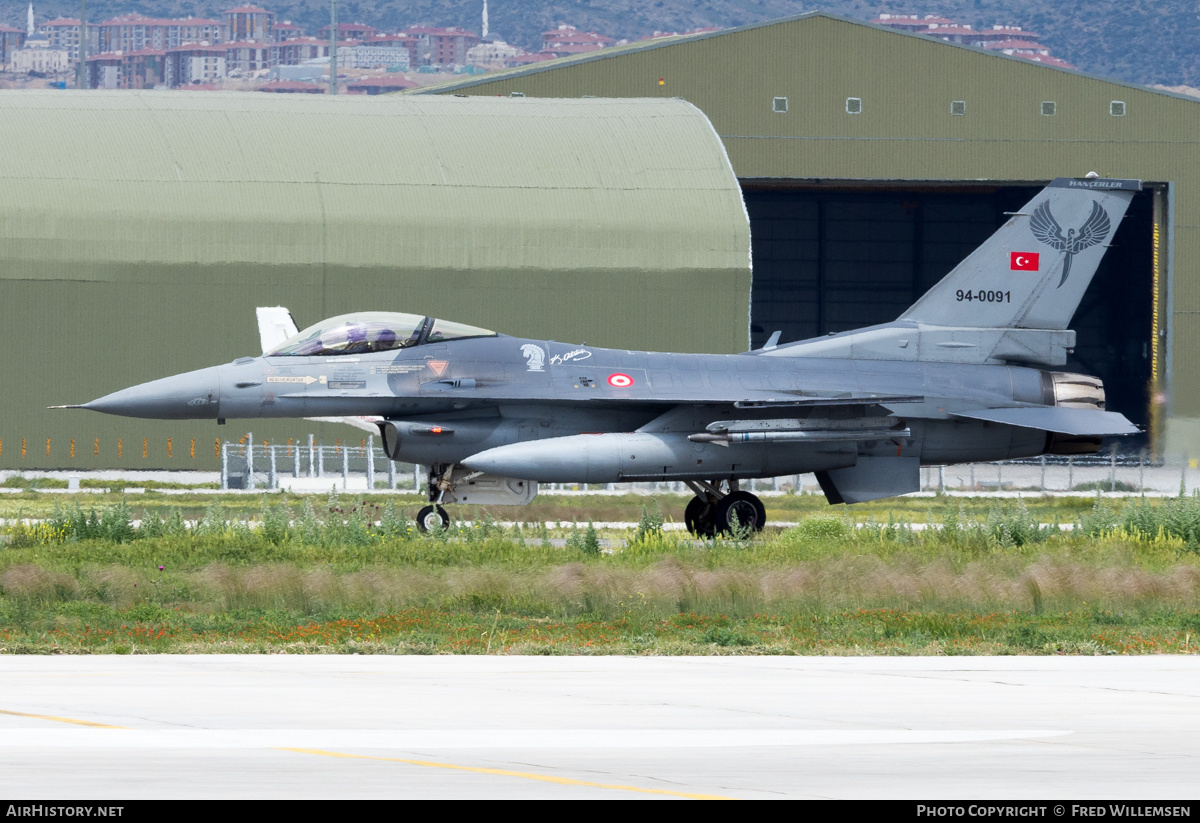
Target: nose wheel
(432, 518)
(720, 508)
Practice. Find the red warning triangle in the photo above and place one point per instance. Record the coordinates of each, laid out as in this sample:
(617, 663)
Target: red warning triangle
(438, 366)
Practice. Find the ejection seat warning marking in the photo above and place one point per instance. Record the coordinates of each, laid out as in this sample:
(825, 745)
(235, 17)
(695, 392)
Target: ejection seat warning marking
(438, 366)
(406, 368)
(347, 384)
(306, 379)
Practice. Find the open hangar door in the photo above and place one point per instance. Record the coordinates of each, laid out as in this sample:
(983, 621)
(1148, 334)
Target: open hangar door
(829, 257)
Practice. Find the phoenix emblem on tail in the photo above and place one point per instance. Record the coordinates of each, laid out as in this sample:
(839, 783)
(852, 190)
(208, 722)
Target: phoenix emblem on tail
(1046, 229)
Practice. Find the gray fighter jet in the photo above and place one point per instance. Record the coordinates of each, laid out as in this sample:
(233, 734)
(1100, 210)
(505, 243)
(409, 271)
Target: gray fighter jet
(966, 374)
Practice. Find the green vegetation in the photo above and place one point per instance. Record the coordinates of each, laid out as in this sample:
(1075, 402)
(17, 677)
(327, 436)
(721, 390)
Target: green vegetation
(354, 575)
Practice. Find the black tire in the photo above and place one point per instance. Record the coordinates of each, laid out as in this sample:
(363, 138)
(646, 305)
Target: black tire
(428, 517)
(748, 509)
(698, 517)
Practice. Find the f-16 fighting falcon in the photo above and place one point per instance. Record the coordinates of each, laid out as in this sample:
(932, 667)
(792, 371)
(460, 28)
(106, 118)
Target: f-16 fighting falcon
(966, 374)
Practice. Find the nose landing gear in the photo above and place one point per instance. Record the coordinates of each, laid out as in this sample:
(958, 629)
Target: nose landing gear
(720, 507)
(433, 516)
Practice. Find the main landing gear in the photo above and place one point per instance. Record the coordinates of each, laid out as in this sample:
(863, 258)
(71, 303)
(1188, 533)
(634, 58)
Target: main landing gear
(433, 516)
(720, 507)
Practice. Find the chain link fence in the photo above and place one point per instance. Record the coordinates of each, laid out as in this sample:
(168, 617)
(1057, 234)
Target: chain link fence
(314, 466)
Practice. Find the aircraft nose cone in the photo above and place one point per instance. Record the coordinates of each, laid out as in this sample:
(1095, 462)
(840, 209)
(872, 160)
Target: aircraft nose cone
(193, 395)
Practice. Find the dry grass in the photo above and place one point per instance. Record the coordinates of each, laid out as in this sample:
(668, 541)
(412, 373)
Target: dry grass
(667, 587)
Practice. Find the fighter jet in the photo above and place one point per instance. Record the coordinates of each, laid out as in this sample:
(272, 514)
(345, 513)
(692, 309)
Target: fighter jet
(968, 373)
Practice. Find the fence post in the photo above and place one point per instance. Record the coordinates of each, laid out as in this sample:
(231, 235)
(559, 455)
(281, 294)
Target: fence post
(371, 463)
(1112, 469)
(972, 477)
(1043, 473)
(224, 467)
(1070, 472)
(1142, 470)
(320, 460)
(391, 464)
(250, 460)
(272, 478)
(1000, 476)
(296, 460)
(346, 468)
(416, 477)
(941, 479)
(311, 455)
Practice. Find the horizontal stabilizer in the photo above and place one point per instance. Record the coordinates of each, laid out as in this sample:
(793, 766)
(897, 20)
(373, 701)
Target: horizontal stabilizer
(1058, 420)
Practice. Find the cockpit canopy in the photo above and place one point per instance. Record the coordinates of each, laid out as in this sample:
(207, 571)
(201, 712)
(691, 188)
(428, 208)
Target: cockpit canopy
(373, 331)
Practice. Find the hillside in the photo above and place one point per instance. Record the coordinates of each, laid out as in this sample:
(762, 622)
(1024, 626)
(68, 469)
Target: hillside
(1134, 40)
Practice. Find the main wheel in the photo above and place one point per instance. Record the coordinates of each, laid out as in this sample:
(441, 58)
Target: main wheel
(432, 517)
(698, 517)
(743, 508)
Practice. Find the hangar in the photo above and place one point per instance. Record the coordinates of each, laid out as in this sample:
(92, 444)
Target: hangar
(139, 231)
(872, 160)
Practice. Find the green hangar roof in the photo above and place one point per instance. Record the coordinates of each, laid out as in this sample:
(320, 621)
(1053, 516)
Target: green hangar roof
(140, 230)
(859, 101)
(822, 101)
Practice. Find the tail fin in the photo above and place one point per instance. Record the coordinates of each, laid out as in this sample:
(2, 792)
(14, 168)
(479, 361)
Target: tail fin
(1032, 273)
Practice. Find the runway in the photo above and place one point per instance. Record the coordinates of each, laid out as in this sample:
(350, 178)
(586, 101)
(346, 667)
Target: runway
(599, 727)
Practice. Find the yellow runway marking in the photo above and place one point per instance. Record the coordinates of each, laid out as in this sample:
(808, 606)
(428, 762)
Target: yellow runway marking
(63, 720)
(545, 778)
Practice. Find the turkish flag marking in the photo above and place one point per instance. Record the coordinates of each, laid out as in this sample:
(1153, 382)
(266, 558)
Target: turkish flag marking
(1023, 261)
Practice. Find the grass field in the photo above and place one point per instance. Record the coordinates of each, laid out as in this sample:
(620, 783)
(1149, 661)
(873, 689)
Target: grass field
(314, 575)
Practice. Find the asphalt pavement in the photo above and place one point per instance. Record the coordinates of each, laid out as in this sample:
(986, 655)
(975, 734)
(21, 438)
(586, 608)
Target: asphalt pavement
(280, 726)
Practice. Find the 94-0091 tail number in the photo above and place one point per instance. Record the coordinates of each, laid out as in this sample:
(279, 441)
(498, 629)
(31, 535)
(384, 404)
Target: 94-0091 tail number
(983, 296)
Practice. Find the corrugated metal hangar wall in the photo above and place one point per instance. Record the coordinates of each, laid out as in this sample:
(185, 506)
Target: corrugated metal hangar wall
(871, 161)
(139, 230)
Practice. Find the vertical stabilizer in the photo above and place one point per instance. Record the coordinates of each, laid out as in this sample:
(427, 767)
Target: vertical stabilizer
(1032, 273)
